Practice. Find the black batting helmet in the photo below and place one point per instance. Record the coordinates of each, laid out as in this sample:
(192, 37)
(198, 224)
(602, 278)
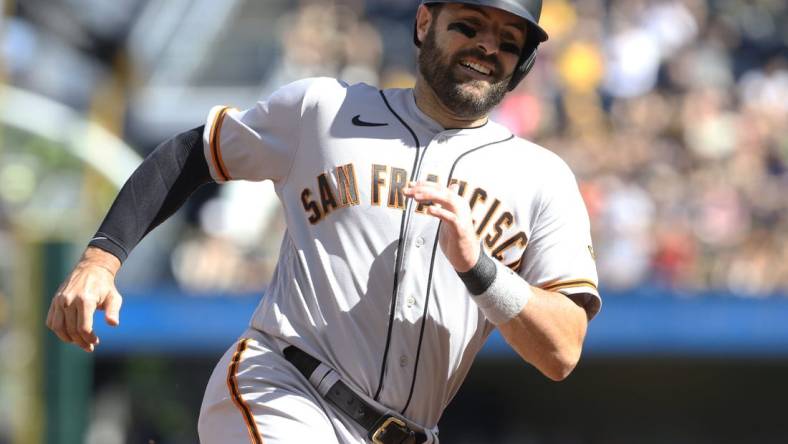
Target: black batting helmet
(530, 10)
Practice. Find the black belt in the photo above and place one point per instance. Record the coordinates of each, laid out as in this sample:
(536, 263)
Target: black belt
(382, 428)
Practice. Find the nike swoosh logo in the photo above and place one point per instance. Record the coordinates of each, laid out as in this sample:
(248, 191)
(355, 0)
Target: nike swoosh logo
(358, 122)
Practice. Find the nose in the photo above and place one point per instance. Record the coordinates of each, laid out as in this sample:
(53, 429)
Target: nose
(487, 42)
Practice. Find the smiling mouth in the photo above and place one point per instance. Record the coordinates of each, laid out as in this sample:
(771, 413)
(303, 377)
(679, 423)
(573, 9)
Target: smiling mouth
(476, 67)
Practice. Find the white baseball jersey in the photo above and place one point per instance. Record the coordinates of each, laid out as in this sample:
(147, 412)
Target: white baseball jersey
(361, 282)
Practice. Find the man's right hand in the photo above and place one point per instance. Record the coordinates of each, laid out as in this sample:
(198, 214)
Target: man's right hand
(90, 286)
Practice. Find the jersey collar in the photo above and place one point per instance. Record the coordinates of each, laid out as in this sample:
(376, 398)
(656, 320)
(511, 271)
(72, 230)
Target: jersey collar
(403, 102)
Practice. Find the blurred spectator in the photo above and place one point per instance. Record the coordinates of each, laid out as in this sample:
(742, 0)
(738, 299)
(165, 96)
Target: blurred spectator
(679, 161)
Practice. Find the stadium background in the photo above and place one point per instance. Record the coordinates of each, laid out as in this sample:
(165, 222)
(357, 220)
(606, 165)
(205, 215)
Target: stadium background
(672, 113)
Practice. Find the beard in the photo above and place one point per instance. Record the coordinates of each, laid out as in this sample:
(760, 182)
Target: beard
(440, 73)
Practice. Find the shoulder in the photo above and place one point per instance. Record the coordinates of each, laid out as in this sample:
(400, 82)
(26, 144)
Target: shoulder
(323, 87)
(306, 89)
(539, 160)
(324, 91)
(548, 175)
(556, 184)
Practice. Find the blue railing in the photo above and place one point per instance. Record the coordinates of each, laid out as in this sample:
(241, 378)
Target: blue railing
(643, 323)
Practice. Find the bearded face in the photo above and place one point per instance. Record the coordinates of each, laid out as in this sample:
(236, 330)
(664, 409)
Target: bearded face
(458, 89)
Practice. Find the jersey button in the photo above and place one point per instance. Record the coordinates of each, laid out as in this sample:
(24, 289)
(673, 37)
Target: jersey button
(419, 242)
(411, 301)
(403, 361)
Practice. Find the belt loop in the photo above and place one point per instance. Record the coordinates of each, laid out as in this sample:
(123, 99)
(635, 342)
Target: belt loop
(318, 375)
(328, 381)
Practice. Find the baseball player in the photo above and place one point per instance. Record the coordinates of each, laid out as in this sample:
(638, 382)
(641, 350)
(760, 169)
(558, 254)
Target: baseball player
(415, 227)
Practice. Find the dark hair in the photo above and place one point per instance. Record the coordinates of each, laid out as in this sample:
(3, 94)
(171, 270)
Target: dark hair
(435, 8)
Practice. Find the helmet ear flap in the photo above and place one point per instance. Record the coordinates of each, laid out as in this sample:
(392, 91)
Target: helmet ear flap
(527, 60)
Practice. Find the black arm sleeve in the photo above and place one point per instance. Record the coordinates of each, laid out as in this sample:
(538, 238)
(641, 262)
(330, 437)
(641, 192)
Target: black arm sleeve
(159, 186)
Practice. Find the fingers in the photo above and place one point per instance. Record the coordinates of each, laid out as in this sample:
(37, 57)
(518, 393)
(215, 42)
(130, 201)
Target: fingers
(50, 316)
(58, 324)
(453, 186)
(429, 192)
(111, 308)
(442, 214)
(53, 307)
(71, 312)
(79, 325)
(71, 320)
(85, 325)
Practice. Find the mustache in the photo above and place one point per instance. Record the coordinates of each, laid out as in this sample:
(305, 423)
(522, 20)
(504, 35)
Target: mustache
(476, 53)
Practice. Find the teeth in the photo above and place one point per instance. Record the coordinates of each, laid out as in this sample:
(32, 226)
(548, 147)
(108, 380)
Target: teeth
(477, 67)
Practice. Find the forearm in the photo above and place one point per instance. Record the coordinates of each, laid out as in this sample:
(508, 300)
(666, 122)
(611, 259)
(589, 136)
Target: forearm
(159, 186)
(154, 191)
(545, 328)
(548, 333)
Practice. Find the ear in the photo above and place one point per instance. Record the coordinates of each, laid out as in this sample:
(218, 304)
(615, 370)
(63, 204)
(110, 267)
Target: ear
(423, 21)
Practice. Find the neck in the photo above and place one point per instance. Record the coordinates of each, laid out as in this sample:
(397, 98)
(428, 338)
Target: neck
(429, 103)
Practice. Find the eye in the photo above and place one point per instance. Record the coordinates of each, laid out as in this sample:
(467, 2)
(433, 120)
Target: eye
(510, 47)
(463, 28)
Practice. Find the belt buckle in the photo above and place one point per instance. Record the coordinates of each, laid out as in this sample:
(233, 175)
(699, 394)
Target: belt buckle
(398, 428)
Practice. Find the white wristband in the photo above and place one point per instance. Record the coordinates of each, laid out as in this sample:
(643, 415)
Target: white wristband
(505, 297)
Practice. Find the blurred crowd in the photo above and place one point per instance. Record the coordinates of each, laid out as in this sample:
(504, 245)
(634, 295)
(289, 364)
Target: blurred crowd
(672, 113)
(674, 116)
